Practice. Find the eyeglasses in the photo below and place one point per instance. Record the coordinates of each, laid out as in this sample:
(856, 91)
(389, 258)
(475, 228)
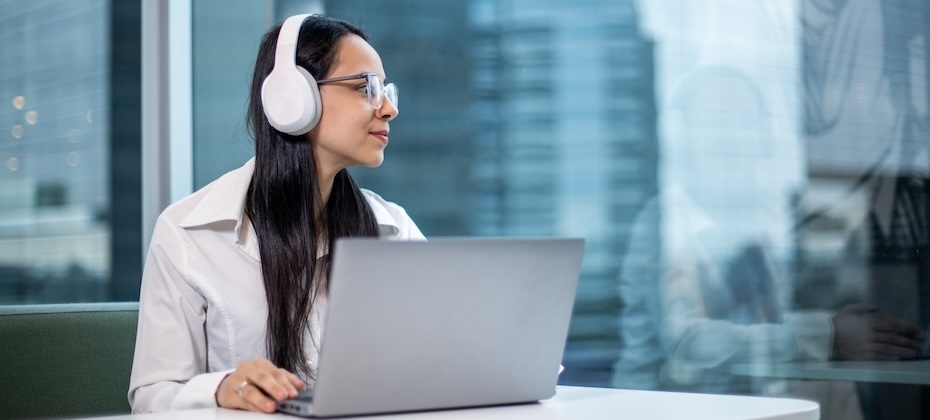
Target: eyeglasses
(376, 88)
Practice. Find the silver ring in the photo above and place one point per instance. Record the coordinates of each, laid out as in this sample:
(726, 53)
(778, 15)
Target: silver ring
(241, 388)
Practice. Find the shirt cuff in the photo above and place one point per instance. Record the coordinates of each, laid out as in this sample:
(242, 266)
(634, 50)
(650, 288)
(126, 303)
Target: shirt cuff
(813, 333)
(199, 391)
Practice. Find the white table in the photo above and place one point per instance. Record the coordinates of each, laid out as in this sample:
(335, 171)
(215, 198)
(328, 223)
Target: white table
(915, 372)
(578, 403)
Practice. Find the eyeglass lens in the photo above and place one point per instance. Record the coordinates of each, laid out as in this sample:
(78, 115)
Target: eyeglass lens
(377, 91)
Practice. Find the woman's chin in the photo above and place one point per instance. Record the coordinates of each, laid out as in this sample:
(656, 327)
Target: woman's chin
(374, 162)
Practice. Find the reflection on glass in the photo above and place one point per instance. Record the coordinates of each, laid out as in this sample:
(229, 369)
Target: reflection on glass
(73, 159)
(54, 232)
(790, 190)
(31, 117)
(742, 171)
(74, 136)
(547, 127)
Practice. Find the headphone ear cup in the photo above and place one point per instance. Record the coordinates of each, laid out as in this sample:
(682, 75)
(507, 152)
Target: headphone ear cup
(291, 100)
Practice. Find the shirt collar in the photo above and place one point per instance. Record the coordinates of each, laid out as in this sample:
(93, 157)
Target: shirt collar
(225, 201)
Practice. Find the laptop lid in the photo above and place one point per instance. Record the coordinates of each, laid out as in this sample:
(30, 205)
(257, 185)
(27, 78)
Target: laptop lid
(454, 322)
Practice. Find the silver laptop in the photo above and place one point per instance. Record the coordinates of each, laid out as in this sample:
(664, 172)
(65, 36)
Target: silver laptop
(443, 324)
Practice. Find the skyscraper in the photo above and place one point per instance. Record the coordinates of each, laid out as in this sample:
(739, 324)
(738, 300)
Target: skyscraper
(565, 119)
(54, 179)
(522, 118)
(428, 161)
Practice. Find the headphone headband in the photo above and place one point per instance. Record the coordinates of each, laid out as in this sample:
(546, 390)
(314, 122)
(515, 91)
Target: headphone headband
(286, 48)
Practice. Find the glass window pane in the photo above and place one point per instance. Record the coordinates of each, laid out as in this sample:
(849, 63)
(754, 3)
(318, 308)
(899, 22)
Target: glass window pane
(742, 171)
(57, 215)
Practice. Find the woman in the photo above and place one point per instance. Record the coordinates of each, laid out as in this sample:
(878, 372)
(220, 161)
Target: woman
(235, 281)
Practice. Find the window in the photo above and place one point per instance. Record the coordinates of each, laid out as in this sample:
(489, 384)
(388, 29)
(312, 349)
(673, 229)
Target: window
(781, 155)
(69, 219)
(740, 170)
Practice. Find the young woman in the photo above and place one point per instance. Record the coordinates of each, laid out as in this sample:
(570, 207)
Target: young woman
(235, 281)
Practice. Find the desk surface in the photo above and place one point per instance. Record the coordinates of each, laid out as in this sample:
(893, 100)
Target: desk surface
(901, 372)
(578, 403)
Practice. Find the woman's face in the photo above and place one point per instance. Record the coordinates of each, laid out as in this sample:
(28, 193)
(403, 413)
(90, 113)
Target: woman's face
(351, 131)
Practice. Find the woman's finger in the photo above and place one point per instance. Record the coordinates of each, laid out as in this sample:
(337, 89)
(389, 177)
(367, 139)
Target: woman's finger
(270, 383)
(257, 385)
(278, 380)
(294, 380)
(896, 339)
(891, 324)
(884, 351)
(257, 399)
(286, 378)
(234, 392)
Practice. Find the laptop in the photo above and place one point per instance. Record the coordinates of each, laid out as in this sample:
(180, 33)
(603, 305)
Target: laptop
(448, 323)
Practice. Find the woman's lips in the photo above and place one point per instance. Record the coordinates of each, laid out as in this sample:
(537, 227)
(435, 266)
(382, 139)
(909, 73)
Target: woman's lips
(381, 135)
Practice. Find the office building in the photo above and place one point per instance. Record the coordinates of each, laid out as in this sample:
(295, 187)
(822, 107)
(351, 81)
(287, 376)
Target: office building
(54, 178)
(546, 128)
(428, 162)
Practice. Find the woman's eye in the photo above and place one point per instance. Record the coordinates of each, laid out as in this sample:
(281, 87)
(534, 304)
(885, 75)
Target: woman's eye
(363, 88)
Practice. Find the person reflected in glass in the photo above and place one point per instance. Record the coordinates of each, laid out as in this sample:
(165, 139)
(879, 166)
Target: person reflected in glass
(712, 291)
(236, 277)
(686, 318)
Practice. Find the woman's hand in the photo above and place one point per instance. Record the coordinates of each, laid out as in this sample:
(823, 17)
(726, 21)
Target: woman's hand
(257, 385)
(860, 335)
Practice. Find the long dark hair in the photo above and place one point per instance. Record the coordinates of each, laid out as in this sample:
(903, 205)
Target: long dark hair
(284, 198)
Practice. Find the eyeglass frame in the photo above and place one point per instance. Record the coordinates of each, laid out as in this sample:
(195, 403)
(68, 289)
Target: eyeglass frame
(368, 77)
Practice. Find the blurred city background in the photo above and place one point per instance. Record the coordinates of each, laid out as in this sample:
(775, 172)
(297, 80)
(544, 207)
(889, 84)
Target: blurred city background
(789, 138)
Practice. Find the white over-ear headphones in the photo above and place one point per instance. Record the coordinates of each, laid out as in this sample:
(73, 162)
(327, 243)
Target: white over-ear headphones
(290, 96)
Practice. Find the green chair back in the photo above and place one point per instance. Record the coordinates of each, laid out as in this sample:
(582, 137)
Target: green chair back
(66, 360)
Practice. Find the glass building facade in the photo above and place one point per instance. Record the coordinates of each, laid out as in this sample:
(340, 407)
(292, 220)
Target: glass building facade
(742, 172)
(55, 232)
(522, 126)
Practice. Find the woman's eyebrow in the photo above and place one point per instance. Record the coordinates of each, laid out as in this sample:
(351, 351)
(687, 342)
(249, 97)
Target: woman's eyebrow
(374, 72)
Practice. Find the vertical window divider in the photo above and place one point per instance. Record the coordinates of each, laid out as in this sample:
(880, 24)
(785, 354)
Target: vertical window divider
(167, 168)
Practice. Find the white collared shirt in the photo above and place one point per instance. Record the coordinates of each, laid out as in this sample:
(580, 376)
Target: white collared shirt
(202, 307)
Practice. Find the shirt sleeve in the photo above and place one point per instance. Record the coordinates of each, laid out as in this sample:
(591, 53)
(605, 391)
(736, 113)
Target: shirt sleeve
(169, 365)
(410, 231)
(641, 355)
(813, 332)
(698, 342)
(393, 220)
(698, 337)
(407, 229)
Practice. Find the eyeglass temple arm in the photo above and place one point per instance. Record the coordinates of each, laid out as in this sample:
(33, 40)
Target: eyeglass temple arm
(339, 79)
